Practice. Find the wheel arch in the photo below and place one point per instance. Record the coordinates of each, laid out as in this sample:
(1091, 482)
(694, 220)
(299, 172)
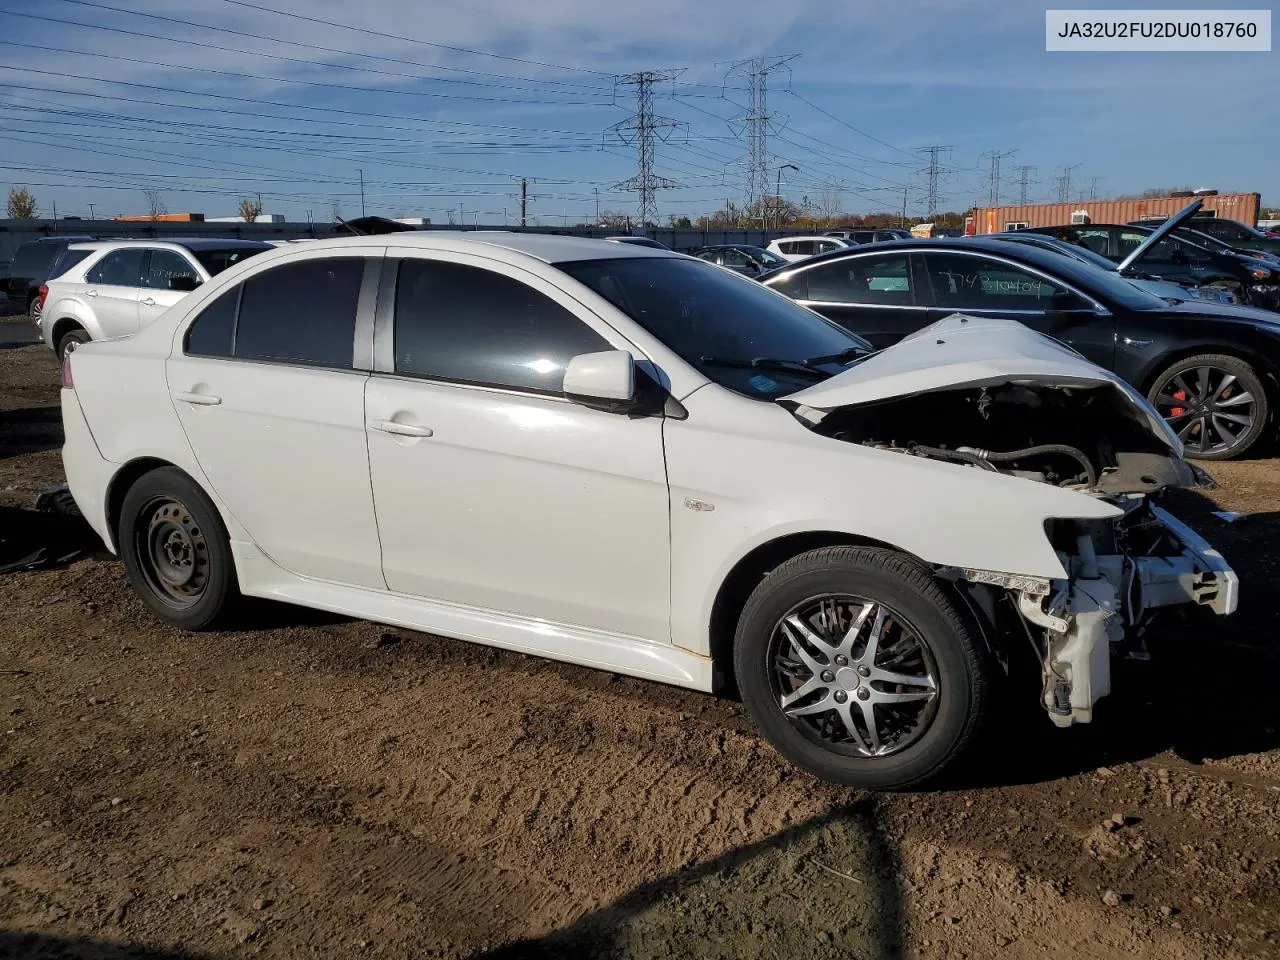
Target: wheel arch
(119, 487)
(62, 326)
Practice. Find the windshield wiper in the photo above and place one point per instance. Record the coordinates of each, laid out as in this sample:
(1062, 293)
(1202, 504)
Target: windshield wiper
(844, 356)
(766, 363)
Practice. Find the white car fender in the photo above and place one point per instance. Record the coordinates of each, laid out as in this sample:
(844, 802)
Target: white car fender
(58, 308)
(944, 514)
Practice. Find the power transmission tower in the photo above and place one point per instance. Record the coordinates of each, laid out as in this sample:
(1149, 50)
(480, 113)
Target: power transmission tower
(1093, 188)
(994, 190)
(1024, 181)
(934, 172)
(642, 129)
(1064, 183)
(757, 120)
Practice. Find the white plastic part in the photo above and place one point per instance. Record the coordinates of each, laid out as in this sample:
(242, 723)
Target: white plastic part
(607, 375)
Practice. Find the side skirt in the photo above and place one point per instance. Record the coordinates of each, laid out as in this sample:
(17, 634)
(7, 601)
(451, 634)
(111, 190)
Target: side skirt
(260, 577)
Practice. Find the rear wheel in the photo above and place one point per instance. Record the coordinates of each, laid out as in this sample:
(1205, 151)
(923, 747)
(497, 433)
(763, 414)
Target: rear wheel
(70, 340)
(176, 550)
(34, 310)
(858, 666)
(1216, 404)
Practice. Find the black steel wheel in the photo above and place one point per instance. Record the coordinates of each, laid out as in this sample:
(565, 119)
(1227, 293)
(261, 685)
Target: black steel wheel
(1216, 404)
(176, 551)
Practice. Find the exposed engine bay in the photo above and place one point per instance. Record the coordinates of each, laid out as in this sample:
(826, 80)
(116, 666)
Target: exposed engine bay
(1090, 437)
(1085, 437)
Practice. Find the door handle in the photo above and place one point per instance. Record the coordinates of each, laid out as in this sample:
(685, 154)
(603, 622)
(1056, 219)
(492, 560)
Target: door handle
(150, 302)
(199, 399)
(402, 429)
(91, 293)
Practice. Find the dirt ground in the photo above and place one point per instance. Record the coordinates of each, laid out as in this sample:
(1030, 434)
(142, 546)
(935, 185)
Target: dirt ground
(321, 787)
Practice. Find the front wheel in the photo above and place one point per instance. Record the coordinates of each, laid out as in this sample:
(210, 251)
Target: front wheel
(176, 550)
(1216, 404)
(857, 665)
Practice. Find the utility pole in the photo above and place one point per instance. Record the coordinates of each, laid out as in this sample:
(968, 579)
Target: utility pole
(1024, 179)
(597, 193)
(777, 195)
(361, 172)
(1064, 183)
(905, 191)
(462, 216)
(524, 202)
(996, 156)
(757, 120)
(934, 172)
(642, 128)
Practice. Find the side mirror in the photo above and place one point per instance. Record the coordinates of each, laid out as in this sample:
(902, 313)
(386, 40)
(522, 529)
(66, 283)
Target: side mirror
(183, 284)
(606, 379)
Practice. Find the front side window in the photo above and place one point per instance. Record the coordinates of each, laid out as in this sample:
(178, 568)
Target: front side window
(301, 312)
(975, 283)
(215, 261)
(735, 331)
(469, 325)
(863, 280)
(119, 268)
(735, 258)
(165, 266)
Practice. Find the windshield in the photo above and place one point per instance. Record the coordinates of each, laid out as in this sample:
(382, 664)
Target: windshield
(1077, 250)
(215, 261)
(722, 323)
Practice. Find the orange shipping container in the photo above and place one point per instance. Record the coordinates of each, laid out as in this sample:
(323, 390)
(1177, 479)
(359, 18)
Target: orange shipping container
(164, 218)
(1230, 206)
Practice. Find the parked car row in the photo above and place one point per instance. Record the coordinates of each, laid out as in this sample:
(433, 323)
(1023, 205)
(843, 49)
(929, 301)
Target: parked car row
(639, 461)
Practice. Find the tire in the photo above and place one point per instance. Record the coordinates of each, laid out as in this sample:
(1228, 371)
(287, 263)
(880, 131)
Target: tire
(70, 340)
(950, 713)
(166, 514)
(1203, 425)
(34, 310)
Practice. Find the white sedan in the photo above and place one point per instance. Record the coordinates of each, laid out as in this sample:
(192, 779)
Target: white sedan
(638, 461)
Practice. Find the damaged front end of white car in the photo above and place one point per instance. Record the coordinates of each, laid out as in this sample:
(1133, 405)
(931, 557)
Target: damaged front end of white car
(993, 395)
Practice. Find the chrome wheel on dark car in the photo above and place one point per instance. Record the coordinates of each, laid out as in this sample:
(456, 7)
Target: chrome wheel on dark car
(1216, 405)
(853, 676)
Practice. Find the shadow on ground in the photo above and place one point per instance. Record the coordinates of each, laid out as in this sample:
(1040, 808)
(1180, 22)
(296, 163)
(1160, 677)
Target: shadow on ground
(42, 539)
(825, 888)
(30, 430)
(39, 946)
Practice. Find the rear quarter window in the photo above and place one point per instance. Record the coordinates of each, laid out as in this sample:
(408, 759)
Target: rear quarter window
(68, 260)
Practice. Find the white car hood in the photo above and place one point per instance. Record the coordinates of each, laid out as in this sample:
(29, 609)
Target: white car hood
(964, 351)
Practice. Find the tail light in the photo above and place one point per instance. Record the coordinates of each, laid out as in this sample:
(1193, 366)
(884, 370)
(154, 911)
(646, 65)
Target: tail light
(44, 294)
(68, 382)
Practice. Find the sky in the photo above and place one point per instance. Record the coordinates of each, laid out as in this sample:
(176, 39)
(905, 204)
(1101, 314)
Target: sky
(442, 107)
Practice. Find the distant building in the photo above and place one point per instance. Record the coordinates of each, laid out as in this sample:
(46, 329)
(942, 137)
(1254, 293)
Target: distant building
(163, 218)
(260, 218)
(1230, 206)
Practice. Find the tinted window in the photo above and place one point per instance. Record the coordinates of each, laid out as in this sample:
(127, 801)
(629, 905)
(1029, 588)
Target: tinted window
(975, 283)
(303, 312)
(461, 323)
(65, 262)
(708, 255)
(120, 268)
(1168, 250)
(719, 322)
(734, 258)
(33, 259)
(884, 280)
(804, 247)
(864, 236)
(166, 265)
(211, 332)
(1097, 240)
(215, 261)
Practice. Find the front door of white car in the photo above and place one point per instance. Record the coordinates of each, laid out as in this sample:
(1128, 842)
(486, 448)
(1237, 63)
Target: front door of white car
(266, 388)
(492, 490)
(112, 288)
(156, 297)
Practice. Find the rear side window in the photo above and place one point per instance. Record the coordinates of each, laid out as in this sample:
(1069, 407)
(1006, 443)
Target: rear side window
(211, 333)
(461, 323)
(301, 312)
(32, 259)
(165, 266)
(215, 261)
(119, 268)
(862, 280)
(68, 260)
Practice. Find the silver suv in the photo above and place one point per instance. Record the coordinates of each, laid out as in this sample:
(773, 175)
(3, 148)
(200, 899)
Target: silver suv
(113, 288)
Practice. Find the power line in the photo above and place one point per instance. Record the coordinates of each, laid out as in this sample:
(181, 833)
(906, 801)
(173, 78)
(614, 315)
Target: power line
(642, 129)
(845, 123)
(758, 119)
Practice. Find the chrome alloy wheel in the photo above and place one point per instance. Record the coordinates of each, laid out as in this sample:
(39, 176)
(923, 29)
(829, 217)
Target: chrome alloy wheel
(853, 676)
(173, 552)
(1207, 408)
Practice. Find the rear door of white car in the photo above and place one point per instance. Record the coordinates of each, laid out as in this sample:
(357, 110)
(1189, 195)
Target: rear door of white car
(492, 489)
(112, 288)
(162, 266)
(271, 395)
